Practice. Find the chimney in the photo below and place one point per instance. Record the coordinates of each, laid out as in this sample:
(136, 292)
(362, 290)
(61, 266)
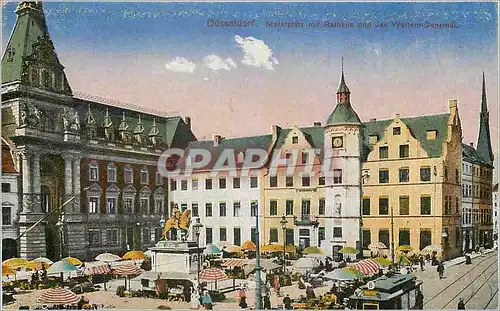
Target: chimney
(373, 120)
(397, 117)
(276, 132)
(217, 139)
(317, 123)
(187, 120)
(452, 103)
(472, 144)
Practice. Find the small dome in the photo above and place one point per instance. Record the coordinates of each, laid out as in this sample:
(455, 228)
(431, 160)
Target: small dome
(343, 114)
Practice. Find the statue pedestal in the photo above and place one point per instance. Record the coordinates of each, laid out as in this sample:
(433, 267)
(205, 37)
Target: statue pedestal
(175, 256)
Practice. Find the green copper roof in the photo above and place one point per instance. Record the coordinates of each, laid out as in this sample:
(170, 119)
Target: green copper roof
(471, 155)
(484, 137)
(418, 127)
(343, 114)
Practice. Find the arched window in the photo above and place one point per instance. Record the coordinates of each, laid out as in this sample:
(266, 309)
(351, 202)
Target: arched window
(128, 174)
(111, 172)
(46, 79)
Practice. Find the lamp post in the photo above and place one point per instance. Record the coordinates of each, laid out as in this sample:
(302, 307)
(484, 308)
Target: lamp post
(197, 229)
(283, 223)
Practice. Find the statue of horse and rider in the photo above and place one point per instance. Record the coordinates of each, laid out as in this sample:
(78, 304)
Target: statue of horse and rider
(176, 222)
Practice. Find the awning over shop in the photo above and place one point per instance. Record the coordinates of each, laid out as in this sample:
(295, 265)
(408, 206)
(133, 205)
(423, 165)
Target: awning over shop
(234, 262)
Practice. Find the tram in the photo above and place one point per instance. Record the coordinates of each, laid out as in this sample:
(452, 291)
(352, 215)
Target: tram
(395, 292)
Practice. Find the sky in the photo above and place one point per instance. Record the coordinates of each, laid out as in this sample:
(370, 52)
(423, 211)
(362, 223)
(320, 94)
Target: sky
(239, 81)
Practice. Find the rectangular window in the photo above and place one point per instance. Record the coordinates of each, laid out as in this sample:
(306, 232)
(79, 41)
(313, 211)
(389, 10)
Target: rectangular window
(208, 236)
(404, 237)
(366, 206)
(321, 235)
(383, 206)
(222, 209)
(337, 232)
(5, 187)
(431, 134)
(208, 184)
(273, 181)
(305, 157)
(254, 208)
(112, 236)
(289, 159)
(94, 237)
(184, 207)
(367, 238)
(396, 131)
(208, 210)
(173, 184)
(93, 205)
(337, 176)
(6, 215)
(425, 238)
(111, 206)
(158, 179)
(236, 209)
(425, 205)
(295, 140)
(425, 174)
(144, 205)
(253, 235)
(306, 181)
(194, 184)
(253, 182)
(306, 208)
(127, 175)
(111, 174)
(273, 235)
(222, 183)
(290, 237)
(383, 176)
(222, 234)
(383, 236)
(383, 152)
(273, 208)
(144, 177)
(93, 173)
(404, 151)
(128, 206)
(184, 185)
(236, 236)
(321, 181)
(236, 183)
(404, 205)
(194, 209)
(289, 181)
(321, 206)
(289, 207)
(404, 175)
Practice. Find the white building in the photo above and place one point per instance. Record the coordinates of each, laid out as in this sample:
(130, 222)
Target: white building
(495, 214)
(468, 153)
(10, 203)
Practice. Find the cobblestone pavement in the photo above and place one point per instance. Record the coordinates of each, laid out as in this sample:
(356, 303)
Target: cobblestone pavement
(477, 284)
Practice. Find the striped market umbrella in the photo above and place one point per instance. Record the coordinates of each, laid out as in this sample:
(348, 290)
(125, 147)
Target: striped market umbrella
(313, 250)
(127, 270)
(212, 274)
(15, 263)
(58, 296)
(108, 257)
(248, 246)
(367, 266)
(74, 261)
(134, 255)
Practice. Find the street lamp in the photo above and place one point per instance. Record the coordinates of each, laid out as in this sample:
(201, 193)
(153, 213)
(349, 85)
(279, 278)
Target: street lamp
(283, 223)
(197, 228)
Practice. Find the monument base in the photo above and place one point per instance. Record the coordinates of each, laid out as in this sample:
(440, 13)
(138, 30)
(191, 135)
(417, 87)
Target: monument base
(176, 256)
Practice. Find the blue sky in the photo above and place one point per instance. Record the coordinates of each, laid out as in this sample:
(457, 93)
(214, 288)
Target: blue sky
(155, 55)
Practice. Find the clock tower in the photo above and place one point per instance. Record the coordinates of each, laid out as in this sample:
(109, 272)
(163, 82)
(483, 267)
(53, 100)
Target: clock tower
(342, 170)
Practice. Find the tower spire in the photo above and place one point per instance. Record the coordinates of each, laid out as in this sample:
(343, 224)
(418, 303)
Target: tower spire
(484, 138)
(343, 92)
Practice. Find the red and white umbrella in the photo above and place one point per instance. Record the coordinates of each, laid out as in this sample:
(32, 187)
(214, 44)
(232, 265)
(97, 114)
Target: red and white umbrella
(127, 270)
(212, 274)
(97, 269)
(366, 266)
(58, 296)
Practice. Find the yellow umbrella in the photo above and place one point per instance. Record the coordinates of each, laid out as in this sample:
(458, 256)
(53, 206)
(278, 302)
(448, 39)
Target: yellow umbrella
(33, 265)
(403, 260)
(248, 246)
(404, 248)
(15, 263)
(134, 255)
(384, 262)
(74, 261)
(233, 249)
(348, 250)
(274, 248)
(6, 270)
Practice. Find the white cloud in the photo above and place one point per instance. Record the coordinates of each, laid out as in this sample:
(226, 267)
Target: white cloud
(216, 63)
(256, 53)
(180, 64)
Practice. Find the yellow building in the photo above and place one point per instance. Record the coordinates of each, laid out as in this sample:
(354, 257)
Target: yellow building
(411, 184)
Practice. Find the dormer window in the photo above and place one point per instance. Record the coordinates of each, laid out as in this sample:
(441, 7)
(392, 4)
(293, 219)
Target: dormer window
(431, 134)
(295, 139)
(396, 130)
(241, 157)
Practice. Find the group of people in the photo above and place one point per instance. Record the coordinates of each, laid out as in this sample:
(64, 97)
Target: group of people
(201, 296)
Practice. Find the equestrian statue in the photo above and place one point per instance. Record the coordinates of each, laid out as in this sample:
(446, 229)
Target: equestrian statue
(177, 221)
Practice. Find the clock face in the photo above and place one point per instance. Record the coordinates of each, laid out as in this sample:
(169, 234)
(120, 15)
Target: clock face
(337, 142)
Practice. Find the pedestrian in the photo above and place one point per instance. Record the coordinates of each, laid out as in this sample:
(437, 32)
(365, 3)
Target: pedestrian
(287, 302)
(267, 302)
(277, 284)
(243, 298)
(461, 304)
(206, 300)
(419, 300)
(422, 263)
(195, 299)
(440, 270)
